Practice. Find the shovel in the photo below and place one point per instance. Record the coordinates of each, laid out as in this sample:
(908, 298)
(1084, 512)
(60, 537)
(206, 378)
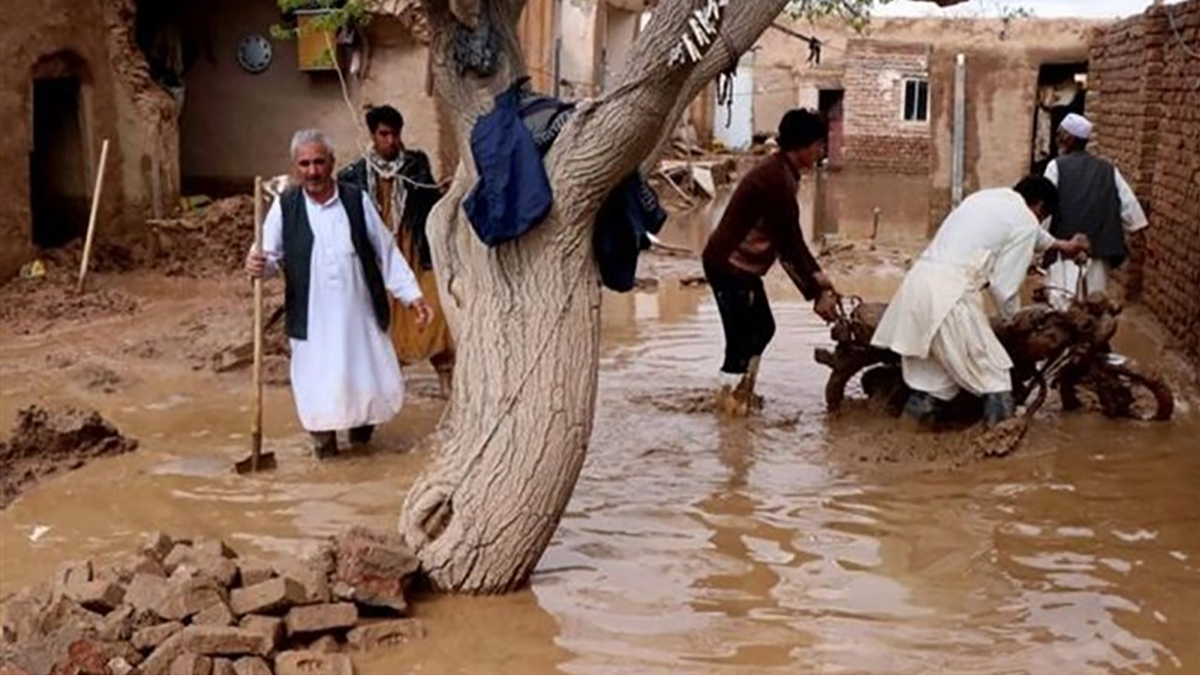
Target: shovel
(258, 460)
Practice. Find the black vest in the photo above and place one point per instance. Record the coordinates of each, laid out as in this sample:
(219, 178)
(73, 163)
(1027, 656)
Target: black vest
(297, 257)
(1088, 203)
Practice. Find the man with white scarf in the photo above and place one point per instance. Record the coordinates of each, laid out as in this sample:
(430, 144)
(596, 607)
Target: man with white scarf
(400, 181)
(937, 321)
(1094, 200)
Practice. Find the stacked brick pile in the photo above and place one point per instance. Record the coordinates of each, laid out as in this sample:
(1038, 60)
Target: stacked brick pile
(1145, 100)
(195, 607)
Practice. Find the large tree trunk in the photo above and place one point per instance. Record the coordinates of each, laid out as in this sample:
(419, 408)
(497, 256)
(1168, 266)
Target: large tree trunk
(525, 315)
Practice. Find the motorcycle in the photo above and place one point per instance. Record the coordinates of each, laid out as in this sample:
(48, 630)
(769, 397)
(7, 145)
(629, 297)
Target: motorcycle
(1068, 350)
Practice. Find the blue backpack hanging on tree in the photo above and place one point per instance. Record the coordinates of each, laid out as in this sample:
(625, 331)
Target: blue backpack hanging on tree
(513, 192)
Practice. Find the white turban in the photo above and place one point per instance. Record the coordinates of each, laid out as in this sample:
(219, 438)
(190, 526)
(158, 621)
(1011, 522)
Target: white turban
(1077, 126)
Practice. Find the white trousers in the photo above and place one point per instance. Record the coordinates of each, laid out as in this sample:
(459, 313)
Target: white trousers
(1062, 279)
(964, 355)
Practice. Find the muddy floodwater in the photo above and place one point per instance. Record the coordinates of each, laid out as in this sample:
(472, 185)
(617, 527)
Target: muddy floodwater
(692, 543)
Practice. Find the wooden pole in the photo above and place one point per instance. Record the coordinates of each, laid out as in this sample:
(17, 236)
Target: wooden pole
(91, 231)
(256, 433)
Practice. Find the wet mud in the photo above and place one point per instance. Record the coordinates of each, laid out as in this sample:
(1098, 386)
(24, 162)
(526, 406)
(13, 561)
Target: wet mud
(45, 442)
(792, 540)
(37, 305)
(209, 241)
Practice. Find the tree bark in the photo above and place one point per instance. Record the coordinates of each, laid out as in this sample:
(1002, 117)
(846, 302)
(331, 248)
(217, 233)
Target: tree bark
(526, 314)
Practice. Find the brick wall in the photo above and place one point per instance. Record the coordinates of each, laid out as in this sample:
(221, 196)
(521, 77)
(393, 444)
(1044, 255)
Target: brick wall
(876, 134)
(1145, 101)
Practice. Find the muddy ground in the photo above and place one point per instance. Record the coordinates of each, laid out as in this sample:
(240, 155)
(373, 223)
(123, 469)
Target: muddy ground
(792, 541)
(46, 442)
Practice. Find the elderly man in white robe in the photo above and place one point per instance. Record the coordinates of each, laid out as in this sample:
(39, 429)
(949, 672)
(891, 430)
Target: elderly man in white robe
(937, 321)
(340, 263)
(1095, 200)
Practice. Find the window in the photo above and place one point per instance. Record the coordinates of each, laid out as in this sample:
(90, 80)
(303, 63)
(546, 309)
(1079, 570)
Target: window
(916, 100)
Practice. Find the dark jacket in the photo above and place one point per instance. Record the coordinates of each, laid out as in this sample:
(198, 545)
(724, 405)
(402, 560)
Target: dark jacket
(513, 192)
(762, 224)
(420, 201)
(626, 217)
(1088, 203)
(297, 257)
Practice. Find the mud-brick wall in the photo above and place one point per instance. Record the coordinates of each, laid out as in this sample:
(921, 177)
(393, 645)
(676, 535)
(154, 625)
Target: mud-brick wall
(91, 40)
(876, 134)
(1145, 101)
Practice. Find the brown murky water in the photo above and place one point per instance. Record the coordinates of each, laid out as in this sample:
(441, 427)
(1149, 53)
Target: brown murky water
(692, 543)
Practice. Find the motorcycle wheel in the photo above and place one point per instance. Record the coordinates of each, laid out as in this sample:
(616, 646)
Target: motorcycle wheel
(1127, 391)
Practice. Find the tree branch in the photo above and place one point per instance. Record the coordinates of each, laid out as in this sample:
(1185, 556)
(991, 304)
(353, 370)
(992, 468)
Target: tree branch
(609, 137)
(740, 37)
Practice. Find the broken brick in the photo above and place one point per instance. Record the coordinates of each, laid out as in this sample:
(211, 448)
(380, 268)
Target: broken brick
(152, 637)
(251, 666)
(254, 571)
(385, 633)
(118, 624)
(179, 554)
(191, 663)
(375, 564)
(308, 662)
(119, 666)
(273, 596)
(216, 615)
(312, 578)
(321, 617)
(158, 545)
(225, 641)
(325, 644)
(272, 627)
(149, 565)
(96, 595)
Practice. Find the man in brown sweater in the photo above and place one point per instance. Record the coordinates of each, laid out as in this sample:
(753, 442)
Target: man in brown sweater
(762, 224)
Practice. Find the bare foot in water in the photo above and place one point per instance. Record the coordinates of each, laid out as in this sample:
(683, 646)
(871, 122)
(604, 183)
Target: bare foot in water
(737, 402)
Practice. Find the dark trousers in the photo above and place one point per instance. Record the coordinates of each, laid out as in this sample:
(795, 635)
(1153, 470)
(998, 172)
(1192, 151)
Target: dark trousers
(745, 315)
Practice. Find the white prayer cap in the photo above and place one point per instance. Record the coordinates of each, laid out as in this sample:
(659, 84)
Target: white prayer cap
(1077, 126)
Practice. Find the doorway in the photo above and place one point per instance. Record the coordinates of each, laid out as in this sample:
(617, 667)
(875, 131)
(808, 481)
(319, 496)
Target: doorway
(829, 103)
(1062, 89)
(57, 180)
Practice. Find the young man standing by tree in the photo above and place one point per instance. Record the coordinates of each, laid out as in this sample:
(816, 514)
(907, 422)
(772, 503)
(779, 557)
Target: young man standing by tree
(762, 224)
(401, 183)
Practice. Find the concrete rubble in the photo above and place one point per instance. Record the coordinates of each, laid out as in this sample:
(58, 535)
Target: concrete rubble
(194, 607)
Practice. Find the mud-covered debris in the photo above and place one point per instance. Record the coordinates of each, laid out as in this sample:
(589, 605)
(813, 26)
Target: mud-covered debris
(48, 441)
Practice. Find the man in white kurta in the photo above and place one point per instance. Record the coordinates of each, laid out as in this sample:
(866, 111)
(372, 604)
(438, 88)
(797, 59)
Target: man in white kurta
(344, 372)
(937, 321)
(1062, 277)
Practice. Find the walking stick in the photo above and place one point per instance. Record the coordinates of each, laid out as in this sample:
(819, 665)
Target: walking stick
(257, 460)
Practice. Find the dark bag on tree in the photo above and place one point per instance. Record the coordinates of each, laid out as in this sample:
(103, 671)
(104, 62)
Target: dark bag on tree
(513, 193)
(629, 212)
(627, 215)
